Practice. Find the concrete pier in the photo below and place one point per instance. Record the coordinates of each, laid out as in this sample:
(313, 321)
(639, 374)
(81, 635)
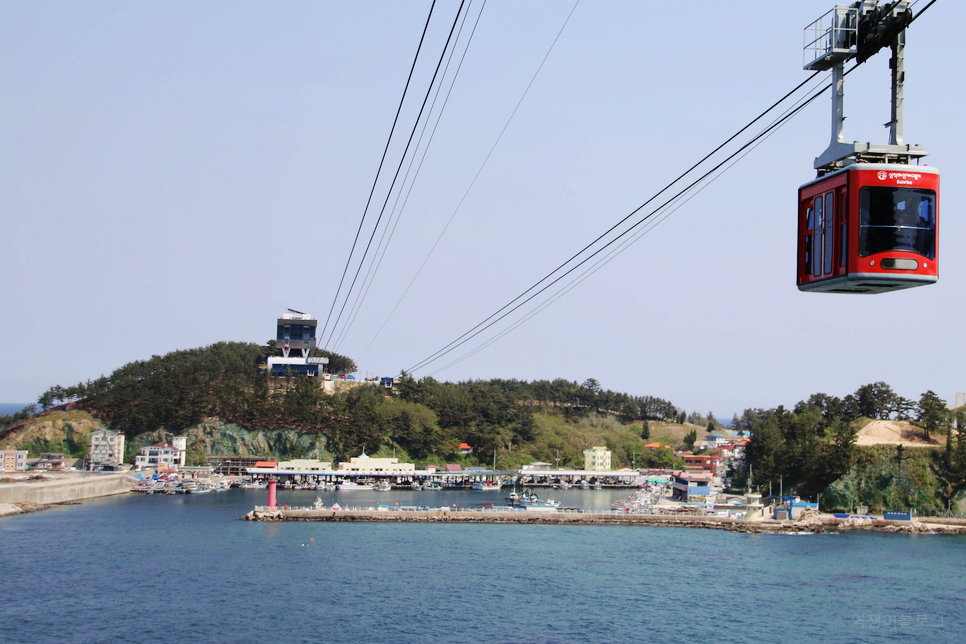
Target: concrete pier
(62, 490)
(441, 515)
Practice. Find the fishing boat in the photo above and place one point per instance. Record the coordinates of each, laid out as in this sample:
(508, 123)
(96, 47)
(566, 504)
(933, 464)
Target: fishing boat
(346, 486)
(384, 486)
(433, 486)
(486, 486)
(531, 501)
(415, 485)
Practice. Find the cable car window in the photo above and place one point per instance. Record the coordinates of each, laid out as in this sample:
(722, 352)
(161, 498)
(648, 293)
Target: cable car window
(897, 219)
(829, 232)
(809, 229)
(817, 239)
(843, 231)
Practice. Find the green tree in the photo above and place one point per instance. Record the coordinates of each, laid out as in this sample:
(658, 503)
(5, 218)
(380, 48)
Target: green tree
(875, 400)
(645, 430)
(932, 413)
(689, 439)
(337, 363)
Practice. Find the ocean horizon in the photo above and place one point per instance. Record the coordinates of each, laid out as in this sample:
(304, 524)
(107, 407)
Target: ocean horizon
(7, 409)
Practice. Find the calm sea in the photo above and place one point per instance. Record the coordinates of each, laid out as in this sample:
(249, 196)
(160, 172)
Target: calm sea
(6, 409)
(185, 569)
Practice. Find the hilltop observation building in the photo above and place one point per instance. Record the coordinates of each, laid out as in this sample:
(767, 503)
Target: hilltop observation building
(295, 340)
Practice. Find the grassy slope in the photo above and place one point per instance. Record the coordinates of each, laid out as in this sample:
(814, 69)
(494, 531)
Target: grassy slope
(554, 432)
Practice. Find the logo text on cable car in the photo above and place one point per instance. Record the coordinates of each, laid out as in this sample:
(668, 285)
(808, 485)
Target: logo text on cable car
(901, 178)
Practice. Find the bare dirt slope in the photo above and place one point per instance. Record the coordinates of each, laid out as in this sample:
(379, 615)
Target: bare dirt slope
(893, 432)
(52, 426)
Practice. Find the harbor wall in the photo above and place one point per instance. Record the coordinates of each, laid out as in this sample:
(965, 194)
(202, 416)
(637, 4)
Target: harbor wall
(85, 486)
(441, 515)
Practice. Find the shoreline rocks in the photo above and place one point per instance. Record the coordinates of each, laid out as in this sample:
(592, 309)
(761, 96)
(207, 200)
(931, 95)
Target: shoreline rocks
(11, 509)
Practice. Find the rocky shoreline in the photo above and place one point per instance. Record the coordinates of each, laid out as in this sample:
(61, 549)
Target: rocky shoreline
(814, 524)
(11, 509)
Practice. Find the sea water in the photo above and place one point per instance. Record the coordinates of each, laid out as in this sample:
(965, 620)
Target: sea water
(183, 568)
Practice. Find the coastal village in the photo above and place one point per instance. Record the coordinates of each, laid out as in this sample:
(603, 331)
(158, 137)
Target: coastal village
(695, 495)
(700, 486)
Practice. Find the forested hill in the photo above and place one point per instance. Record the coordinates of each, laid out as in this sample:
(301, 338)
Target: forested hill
(227, 381)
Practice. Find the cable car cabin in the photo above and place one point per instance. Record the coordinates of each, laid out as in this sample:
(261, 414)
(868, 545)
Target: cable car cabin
(869, 228)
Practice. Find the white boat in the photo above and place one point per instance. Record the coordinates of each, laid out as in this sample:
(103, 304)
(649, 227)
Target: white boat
(532, 502)
(346, 486)
(486, 486)
(384, 486)
(433, 486)
(416, 486)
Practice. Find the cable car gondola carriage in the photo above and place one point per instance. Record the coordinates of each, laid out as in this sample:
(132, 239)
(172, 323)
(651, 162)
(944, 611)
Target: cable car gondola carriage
(869, 222)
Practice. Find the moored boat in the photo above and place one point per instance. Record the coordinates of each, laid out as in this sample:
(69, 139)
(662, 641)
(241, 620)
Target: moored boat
(346, 486)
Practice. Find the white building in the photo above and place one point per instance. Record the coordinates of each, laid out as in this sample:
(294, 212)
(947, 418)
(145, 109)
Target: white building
(162, 455)
(305, 465)
(597, 459)
(364, 464)
(537, 466)
(107, 446)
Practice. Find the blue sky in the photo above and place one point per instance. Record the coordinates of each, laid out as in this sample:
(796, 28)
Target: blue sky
(176, 174)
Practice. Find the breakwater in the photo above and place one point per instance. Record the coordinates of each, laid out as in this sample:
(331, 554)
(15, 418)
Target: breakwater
(64, 490)
(440, 515)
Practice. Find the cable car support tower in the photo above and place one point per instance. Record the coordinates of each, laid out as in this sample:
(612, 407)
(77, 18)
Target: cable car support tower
(859, 31)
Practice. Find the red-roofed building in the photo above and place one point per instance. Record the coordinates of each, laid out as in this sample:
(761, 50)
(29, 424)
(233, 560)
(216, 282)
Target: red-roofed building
(454, 467)
(702, 462)
(271, 464)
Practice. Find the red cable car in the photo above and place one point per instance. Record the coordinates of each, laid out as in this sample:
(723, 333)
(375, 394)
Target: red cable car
(869, 222)
(869, 228)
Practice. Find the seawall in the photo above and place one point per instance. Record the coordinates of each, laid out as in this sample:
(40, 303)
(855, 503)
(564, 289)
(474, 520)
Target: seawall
(63, 490)
(823, 524)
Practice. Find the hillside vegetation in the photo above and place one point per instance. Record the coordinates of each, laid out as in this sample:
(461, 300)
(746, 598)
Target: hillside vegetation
(811, 450)
(221, 397)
